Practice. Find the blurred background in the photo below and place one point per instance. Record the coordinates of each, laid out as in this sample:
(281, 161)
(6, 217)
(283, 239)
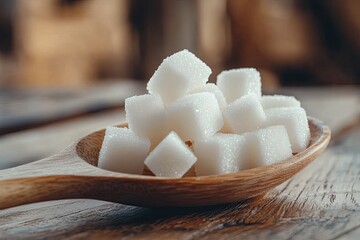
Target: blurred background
(66, 66)
(77, 42)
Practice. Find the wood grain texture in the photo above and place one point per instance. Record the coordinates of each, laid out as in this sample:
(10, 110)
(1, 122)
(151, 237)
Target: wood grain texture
(73, 174)
(27, 108)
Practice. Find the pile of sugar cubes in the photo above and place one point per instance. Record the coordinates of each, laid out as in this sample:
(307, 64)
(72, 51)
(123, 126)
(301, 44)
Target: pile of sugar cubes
(185, 122)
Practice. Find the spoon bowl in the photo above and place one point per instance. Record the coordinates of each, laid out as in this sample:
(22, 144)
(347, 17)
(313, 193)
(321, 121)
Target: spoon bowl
(73, 173)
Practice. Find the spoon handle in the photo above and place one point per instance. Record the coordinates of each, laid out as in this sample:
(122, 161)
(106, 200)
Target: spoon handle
(52, 178)
(21, 191)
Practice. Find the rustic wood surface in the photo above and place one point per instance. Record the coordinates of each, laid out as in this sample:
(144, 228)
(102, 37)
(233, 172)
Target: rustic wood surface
(320, 202)
(22, 109)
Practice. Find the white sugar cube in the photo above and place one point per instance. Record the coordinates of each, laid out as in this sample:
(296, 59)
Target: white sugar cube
(236, 83)
(268, 145)
(171, 158)
(147, 117)
(245, 114)
(123, 151)
(212, 88)
(296, 123)
(276, 101)
(195, 116)
(220, 154)
(177, 75)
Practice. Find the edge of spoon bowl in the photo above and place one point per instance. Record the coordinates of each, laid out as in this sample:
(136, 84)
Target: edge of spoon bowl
(202, 190)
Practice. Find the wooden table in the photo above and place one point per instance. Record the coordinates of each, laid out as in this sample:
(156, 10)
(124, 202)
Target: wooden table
(320, 202)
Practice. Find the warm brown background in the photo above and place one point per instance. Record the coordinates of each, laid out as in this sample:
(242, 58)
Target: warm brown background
(76, 42)
(57, 60)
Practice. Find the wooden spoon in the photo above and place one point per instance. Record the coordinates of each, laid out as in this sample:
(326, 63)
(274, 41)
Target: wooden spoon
(73, 174)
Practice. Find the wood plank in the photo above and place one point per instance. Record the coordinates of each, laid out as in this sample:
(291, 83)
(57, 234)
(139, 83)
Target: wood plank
(22, 109)
(43, 142)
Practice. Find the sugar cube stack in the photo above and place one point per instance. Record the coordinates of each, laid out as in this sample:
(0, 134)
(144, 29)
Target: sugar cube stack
(177, 75)
(220, 153)
(185, 123)
(123, 151)
(171, 158)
